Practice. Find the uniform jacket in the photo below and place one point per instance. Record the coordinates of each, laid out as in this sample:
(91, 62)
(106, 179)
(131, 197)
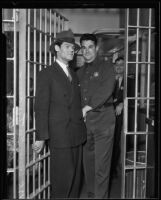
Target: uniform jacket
(58, 112)
(97, 85)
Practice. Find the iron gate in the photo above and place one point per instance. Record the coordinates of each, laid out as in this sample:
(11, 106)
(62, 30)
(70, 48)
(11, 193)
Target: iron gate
(139, 105)
(29, 34)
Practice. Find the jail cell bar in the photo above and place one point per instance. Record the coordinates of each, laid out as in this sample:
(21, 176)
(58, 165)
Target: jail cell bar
(40, 29)
(32, 32)
(9, 28)
(136, 164)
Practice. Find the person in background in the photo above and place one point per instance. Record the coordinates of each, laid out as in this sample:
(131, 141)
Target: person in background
(59, 119)
(118, 105)
(97, 80)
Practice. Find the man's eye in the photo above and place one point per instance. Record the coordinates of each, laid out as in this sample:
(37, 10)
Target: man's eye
(73, 48)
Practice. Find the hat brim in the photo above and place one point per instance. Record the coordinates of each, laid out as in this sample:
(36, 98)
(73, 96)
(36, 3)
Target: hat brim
(52, 46)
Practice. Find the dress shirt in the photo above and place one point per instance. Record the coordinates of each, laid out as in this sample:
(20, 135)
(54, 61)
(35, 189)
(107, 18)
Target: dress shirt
(119, 78)
(63, 66)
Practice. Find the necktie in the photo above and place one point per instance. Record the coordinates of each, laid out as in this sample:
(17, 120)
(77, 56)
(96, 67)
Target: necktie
(69, 74)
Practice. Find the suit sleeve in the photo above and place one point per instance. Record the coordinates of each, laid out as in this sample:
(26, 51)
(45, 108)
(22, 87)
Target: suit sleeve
(42, 105)
(105, 90)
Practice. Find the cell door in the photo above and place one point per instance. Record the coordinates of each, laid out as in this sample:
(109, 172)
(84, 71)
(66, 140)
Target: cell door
(139, 151)
(29, 34)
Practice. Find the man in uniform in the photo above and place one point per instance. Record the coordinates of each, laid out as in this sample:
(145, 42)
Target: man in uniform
(97, 84)
(59, 119)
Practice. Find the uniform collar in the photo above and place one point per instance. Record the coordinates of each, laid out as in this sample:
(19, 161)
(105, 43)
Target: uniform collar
(91, 63)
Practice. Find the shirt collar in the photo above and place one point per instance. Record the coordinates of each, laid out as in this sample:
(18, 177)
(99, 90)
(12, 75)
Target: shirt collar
(61, 64)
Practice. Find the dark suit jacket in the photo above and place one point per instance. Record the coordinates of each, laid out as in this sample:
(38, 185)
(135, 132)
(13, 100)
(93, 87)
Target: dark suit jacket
(97, 85)
(118, 93)
(58, 112)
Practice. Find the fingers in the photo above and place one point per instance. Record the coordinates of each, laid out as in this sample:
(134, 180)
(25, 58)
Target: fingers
(38, 146)
(85, 119)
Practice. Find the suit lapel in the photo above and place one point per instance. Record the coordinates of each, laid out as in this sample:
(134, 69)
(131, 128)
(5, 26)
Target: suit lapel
(63, 79)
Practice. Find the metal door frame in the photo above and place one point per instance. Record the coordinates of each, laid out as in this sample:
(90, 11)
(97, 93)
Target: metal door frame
(39, 27)
(140, 100)
(33, 31)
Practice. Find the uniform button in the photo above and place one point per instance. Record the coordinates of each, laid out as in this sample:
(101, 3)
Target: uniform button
(85, 98)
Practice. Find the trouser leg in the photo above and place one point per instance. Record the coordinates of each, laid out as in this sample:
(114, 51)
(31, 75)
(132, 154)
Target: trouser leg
(89, 163)
(103, 154)
(66, 172)
(116, 145)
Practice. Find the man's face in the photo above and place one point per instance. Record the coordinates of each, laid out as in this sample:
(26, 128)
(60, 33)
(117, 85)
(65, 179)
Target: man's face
(119, 67)
(89, 50)
(65, 52)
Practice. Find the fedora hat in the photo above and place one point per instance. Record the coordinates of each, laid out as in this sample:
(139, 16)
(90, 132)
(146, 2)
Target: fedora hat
(64, 36)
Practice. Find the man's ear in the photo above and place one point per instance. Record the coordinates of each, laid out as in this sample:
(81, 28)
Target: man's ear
(57, 48)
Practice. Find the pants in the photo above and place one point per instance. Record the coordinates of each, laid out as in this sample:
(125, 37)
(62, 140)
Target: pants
(116, 146)
(97, 154)
(66, 172)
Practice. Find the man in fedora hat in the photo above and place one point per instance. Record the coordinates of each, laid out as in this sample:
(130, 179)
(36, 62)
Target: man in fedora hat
(59, 118)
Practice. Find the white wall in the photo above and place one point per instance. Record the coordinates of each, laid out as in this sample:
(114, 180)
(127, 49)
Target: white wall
(88, 20)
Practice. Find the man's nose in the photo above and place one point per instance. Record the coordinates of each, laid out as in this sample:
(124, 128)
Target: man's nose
(87, 50)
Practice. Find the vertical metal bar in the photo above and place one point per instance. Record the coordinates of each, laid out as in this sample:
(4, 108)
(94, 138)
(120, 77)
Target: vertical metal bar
(45, 52)
(55, 25)
(148, 86)
(136, 102)
(55, 22)
(40, 61)
(49, 176)
(34, 85)
(58, 23)
(44, 175)
(125, 105)
(50, 40)
(28, 66)
(149, 66)
(22, 102)
(34, 65)
(40, 46)
(62, 24)
(14, 105)
(50, 59)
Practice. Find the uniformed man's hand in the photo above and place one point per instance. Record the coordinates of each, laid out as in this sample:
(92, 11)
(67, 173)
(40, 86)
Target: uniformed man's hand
(85, 110)
(38, 146)
(119, 108)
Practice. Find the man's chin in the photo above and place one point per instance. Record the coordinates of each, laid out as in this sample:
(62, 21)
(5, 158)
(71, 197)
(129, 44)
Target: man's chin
(69, 59)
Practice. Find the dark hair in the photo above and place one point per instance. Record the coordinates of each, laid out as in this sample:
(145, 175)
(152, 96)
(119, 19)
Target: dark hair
(119, 58)
(52, 47)
(88, 36)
